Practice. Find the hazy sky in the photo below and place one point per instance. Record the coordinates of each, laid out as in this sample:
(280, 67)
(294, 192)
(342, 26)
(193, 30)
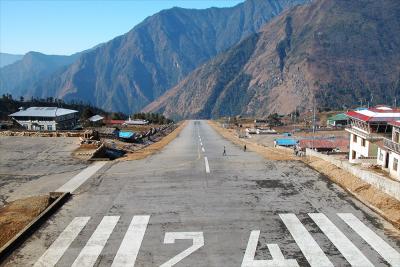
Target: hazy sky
(65, 27)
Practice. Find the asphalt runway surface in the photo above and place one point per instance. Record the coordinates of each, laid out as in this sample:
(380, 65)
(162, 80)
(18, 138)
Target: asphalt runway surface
(189, 205)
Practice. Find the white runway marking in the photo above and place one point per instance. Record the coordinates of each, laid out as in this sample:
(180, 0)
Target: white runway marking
(376, 242)
(94, 246)
(207, 166)
(170, 237)
(129, 249)
(311, 250)
(278, 260)
(81, 177)
(202, 149)
(54, 253)
(352, 254)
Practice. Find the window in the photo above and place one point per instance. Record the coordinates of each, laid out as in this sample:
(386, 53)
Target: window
(49, 127)
(396, 137)
(395, 163)
(362, 142)
(354, 138)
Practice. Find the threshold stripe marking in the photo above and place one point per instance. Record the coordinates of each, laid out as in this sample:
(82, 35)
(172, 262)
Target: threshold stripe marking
(202, 149)
(97, 241)
(278, 260)
(129, 249)
(376, 242)
(81, 177)
(352, 254)
(207, 166)
(54, 253)
(311, 250)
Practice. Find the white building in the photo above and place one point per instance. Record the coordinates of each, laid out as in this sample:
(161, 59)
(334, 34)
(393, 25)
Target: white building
(367, 129)
(389, 153)
(136, 122)
(46, 118)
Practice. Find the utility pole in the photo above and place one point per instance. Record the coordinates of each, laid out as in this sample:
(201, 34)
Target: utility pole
(313, 126)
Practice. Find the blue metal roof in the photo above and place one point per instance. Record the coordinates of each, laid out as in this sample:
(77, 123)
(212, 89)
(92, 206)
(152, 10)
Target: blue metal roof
(126, 135)
(286, 142)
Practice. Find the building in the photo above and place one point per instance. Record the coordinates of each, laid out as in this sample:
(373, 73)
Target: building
(46, 118)
(96, 118)
(107, 132)
(260, 123)
(126, 136)
(135, 122)
(389, 152)
(367, 129)
(338, 120)
(324, 145)
(285, 142)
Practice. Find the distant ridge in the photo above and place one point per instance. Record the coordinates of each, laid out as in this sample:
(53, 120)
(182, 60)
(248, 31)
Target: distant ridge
(130, 71)
(7, 59)
(336, 52)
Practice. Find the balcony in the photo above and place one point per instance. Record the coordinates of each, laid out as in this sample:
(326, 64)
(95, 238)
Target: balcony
(368, 136)
(395, 147)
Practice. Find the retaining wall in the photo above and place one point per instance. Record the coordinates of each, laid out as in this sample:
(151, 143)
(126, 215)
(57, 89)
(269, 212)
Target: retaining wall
(383, 183)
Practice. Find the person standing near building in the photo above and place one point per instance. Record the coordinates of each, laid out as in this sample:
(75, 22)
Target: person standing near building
(244, 148)
(224, 153)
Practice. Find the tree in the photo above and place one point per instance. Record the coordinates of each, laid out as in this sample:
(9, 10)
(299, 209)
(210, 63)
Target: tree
(86, 113)
(274, 120)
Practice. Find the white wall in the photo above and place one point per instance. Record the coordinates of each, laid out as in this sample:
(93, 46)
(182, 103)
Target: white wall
(393, 173)
(360, 150)
(381, 182)
(381, 157)
(30, 124)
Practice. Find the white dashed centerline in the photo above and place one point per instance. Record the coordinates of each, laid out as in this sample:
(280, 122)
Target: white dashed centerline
(207, 166)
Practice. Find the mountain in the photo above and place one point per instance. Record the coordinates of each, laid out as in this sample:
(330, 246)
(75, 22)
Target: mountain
(337, 52)
(7, 59)
(17, 77)
(132, 70)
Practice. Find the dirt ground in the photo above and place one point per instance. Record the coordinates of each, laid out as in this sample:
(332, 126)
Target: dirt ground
(385, 205)
(155, 147)
(17, 214)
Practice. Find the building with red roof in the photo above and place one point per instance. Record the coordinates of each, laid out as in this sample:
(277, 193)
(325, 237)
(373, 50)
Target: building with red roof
(389, 151)
(367, 128)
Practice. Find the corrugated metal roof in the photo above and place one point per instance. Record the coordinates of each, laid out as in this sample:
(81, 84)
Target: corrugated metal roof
(376, 114)
(126, 135)
(43, 112)
(96, 118)
(323, 143)
(286, 142)
(338, 117)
